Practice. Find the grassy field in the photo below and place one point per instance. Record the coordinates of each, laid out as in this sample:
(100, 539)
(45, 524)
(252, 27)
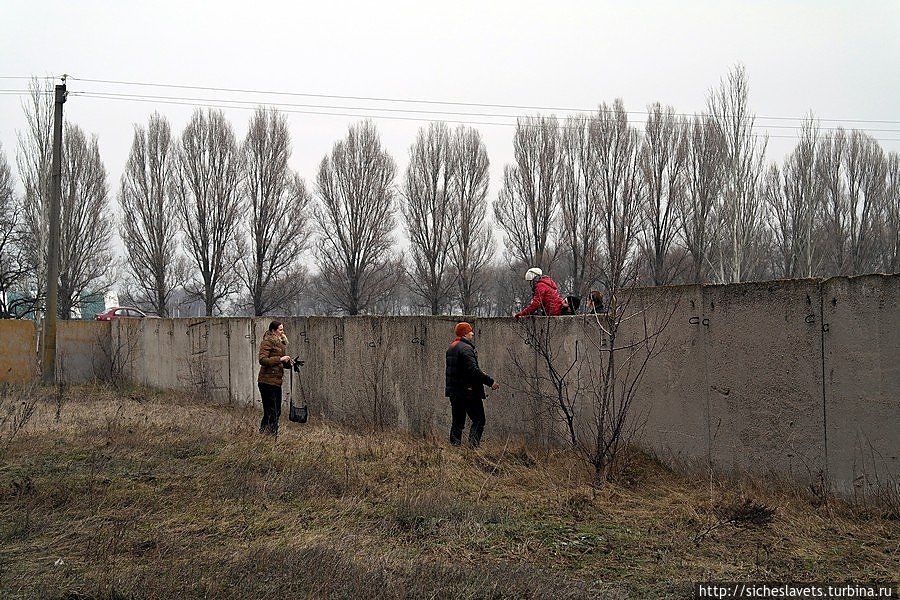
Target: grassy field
(155, 495)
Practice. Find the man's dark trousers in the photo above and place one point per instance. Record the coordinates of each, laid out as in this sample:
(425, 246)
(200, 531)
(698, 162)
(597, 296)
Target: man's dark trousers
(460, 406)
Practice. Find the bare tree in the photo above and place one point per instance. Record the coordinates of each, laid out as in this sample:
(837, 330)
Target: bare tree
(854, 173)
(619, 360)
(704, 182)
(589, 390)
(206, 186)
(866, 169)
(150, 221)
(663, 162)
(628, 336)
(472, 245)
(355, 217)
(427, 211)
(740, 210)
(278, 224)
(794, 198)
(85, 230)
(502, 292)
(33, 157)
(398, 299)
(13, 263)
(617, 150)
(528, 203)
(828, 166)
(891, 228)
(578, 194)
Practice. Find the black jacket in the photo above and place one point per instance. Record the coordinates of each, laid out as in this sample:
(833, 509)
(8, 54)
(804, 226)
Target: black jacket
(464, 378)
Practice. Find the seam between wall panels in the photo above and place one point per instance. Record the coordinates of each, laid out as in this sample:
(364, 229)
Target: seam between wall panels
(704, 342)
(822, 330)
(228, 355)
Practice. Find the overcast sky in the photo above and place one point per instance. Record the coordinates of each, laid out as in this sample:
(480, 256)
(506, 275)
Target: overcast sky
(838, 59)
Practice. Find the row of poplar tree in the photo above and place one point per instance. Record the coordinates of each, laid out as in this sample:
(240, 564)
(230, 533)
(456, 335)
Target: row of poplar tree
(596, 200)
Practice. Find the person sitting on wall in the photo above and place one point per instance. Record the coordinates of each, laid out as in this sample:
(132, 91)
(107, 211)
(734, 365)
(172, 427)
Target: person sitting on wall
(464, 386)
(273, 360)
(546, 297)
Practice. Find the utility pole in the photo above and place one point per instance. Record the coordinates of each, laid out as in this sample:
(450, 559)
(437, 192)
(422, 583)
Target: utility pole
(49, 362)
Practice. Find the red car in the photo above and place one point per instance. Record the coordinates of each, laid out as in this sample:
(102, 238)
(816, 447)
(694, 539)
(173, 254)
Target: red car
(119, 312)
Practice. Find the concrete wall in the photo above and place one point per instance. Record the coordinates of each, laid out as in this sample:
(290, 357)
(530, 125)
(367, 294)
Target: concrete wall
(18, 351)
(798, 378)
(83, 350)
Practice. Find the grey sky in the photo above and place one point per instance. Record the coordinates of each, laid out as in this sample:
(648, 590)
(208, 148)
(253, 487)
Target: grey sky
(838, 59)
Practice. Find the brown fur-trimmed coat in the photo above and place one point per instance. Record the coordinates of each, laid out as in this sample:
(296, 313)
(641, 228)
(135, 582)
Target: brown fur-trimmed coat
(272, 348)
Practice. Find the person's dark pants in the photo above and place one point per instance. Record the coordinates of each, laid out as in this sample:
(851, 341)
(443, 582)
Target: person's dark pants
(459, 408)
(271, 401)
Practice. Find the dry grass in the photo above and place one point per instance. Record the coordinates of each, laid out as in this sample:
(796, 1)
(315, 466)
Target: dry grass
(152, 495)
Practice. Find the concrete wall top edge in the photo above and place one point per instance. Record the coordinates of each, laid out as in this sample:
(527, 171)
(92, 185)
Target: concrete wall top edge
(769, 283)
(742, 288)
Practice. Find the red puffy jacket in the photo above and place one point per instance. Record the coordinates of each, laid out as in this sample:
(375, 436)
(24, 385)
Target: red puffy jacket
(545, 297)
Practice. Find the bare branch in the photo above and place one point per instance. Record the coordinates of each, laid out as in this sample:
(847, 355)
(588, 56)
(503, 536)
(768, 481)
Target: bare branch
(278, 223)
(150, 222)
(427, 211)
(473, 245)
(355, 218)
(529, 201)
(13, 261)
(739, 213)
(85, 252)
(579, 192)
(663, 161)
(206, 186)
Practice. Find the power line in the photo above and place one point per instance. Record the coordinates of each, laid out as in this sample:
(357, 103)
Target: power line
(422, 101)
(29, 78)
(212, 103)
(305, 112)
(395, 110)
(96, 96)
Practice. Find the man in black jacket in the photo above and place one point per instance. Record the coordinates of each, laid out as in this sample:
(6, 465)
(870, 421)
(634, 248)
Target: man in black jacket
(465, 386)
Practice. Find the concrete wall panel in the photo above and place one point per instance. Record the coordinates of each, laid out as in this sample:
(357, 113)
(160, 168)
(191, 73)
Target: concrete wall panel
(511, 410)
(18, 351)
(243, 365)
(673, 394)
(82, 350)
(765, 407)
(862, 380)
(323, 374)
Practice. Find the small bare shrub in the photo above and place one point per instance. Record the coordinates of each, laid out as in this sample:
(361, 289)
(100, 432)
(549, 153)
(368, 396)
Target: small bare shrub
(17, 407)
(738, 512)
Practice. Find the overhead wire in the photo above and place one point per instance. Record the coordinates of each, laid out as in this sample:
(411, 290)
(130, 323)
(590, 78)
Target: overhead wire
(226, 103)
(203, 103)
(114, 95)
(427, 101)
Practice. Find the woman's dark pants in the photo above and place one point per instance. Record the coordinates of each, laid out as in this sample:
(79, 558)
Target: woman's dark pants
(459, 408)
(271, 401)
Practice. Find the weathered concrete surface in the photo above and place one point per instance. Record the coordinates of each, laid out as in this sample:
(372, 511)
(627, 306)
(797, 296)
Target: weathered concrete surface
(83, 351)
(18, 351)
(735, 379)
(861, 364)
(765, 406)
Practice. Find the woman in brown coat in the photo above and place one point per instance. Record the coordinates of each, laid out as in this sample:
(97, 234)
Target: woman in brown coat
(272, 360)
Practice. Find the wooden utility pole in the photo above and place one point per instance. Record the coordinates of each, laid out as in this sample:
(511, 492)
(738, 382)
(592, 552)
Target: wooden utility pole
(49, 354)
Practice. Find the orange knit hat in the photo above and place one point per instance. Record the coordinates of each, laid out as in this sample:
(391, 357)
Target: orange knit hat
(463, 329)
